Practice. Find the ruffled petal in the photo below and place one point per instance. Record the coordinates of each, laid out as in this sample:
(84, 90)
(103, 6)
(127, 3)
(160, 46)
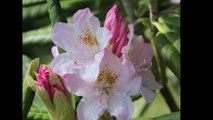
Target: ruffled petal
(64, 63)
(91, 108)
(147, 94)
(91, 70)
(149, 81)
(120, 106)
(131, 31)
(103, 35)
(63, 35)
(77, 86)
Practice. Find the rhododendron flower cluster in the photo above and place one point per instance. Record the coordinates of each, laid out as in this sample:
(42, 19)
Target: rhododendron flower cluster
(105, 65)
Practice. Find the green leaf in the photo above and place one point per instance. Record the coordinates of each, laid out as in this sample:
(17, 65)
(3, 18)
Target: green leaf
(37, 110)
(39, 36)
(28, 3)
(36, 114)
(27, 93)
(169, 53)
(75, 100)
(141, 118)
(63, 107)
(171, 116)
(171, 35)
(25, 63)
(27, 98)
(146, 22)
(170, 20)
(35, 17)
(55, 12)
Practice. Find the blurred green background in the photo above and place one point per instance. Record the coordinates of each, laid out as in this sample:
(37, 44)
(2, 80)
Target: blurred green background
(37, 42)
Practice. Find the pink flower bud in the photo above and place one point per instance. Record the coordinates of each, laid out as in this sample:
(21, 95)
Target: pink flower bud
(117, 26)
(43, 80)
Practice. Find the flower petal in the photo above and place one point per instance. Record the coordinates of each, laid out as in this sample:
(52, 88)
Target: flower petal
(131, 31)
(63, 35)
(90, 108)
(91, 70)
(133, 80)
(54, 51)
(149, 81)
(120, 105)
(147, 94)
(103, 35)
(76, 85)
(64, 63)
(128, 81)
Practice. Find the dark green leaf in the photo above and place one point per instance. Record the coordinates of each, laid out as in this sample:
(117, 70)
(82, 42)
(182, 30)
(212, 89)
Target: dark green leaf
(171, 116)
(29, 3)
(169, 53)
(146, 22)
(39, 36)
(171, 35)
(55, 12)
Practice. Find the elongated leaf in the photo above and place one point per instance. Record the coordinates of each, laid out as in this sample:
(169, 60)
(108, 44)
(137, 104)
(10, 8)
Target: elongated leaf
(170, 20)
(141, 118)
(37, 111)
(28, 94)
(29, 3)
(169, 53)
(172, 116)
(55, 12)
(39, 36)
(34, 12)
(170, 34)
(25, 63)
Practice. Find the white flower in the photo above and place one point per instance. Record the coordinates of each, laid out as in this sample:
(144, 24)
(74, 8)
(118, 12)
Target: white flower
(110, 91)
(84, 41)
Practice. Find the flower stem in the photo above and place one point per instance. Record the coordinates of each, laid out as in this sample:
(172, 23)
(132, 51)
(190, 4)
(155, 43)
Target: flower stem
(161, 76)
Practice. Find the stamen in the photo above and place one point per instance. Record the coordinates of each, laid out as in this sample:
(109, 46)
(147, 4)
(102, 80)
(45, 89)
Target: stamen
(88, 38)
(105, 81)
(107, 76)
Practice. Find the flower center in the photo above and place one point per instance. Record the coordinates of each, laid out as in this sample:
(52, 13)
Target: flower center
(105, 81)
(88, 38)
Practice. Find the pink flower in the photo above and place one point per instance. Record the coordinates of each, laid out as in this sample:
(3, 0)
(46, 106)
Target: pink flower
(110, 91)
(84, 41)
(43, 80)
(117, 26)
(140, 54)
